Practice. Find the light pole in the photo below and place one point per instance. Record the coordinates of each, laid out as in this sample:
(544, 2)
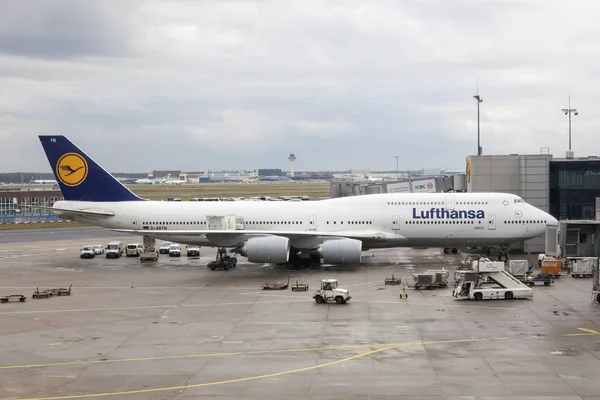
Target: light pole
(479, 101)
(396, 157)
(569, 111)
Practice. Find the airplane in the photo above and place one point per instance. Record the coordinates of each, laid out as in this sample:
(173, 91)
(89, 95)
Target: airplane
(332, 231)
(372, 179)
(147, 181)
(44, 182)
(175, 182)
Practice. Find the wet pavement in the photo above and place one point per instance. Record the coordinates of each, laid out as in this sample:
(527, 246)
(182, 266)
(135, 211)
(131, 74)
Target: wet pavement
(177, 330)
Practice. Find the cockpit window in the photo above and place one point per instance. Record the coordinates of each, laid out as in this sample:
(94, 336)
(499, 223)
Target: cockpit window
(519, 200)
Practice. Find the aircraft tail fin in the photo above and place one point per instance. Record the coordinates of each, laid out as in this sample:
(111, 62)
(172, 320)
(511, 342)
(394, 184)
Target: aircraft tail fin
(79, 176)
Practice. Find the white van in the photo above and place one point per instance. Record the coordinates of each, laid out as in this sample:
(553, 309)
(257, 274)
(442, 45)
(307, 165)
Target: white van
(134, 249)
(115, 249)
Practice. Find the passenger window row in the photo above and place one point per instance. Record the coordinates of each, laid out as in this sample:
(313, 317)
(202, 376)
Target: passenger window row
(432, 203)
(176, 223)
(443, 222)
(516, 221)
(353, 222)
(274, 223)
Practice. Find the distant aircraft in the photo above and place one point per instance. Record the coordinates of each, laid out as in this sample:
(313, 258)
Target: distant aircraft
(147, 181)
(175, 182)
(371, 179)
(335, 230)
(44, 182)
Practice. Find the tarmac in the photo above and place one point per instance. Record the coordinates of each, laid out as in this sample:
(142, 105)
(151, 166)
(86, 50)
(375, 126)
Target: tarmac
(174, 329)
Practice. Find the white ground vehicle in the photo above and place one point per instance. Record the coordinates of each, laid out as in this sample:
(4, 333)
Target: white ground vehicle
(192, 251)
(133, 249)
(98, 249)
(175, 250)
(115, 249)
(331, 292)
(164, 248)
(492, 282)
(87, 252)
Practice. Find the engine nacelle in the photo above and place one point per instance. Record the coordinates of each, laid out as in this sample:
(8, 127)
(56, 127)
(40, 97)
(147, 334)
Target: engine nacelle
(266, 249)
(341, 251)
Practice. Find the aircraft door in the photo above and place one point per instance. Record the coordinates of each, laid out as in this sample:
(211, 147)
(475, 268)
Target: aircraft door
(312, 222)
(491, 222)
(395, 222)
(239, 223)
(135, 223)
(450, 202)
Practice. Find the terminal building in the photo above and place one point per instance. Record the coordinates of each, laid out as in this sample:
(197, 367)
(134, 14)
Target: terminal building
(567, 188)
(15, 205)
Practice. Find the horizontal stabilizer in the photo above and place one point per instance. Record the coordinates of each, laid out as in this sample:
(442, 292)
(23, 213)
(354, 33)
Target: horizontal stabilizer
(84, 212)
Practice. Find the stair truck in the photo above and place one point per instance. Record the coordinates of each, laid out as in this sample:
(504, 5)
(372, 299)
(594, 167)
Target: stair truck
(491, 282)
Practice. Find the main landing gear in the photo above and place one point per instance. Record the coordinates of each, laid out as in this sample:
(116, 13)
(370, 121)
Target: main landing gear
(450, 250)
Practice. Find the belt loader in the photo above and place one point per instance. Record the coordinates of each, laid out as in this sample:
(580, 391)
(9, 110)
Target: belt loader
(491, 281)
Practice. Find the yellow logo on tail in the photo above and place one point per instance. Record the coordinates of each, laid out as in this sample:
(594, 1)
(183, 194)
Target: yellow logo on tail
(71, 169)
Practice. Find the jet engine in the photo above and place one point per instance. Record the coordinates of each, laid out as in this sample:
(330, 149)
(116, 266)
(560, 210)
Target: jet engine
(266, 249)
(341, 251)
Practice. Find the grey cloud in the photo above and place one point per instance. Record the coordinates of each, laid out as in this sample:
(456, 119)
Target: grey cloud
(63, 29)
(344, 84)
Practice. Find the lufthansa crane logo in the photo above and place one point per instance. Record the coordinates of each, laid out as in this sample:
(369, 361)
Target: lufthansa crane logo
(468, 171)
(71, 169)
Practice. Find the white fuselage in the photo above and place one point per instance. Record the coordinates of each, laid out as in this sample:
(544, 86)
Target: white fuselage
(410, 219)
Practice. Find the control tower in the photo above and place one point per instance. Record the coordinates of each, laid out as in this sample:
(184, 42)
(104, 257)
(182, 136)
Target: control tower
(292, 158)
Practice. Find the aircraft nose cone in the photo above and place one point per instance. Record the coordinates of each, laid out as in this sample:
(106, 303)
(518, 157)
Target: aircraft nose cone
(551, 220)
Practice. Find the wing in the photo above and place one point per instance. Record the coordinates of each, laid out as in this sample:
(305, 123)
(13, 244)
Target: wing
(366, 234)
(65, 168)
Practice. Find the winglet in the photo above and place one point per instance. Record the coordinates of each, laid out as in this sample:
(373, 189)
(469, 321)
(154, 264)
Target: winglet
(79, 176)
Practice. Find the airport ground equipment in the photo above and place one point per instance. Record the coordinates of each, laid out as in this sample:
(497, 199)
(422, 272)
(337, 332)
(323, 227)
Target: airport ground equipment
(583, 267)
(276, 285)
(223, 260)
(300, 287)
(392, 281)
(62, 291)
(44, 294)
(492, 282)
(330, 291)
(430, 279)
(149, 253)
(519, 268)
(546, 279)
(6, 299)
(596, 285)
(552, 266)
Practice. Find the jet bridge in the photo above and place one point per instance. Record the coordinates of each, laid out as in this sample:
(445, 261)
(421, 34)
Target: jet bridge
(574, 238)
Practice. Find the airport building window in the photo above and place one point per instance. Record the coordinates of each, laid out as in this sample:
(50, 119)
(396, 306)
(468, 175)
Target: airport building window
(574, 186)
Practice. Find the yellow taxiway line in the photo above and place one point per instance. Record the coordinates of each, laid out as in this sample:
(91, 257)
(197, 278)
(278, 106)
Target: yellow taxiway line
(257, 377)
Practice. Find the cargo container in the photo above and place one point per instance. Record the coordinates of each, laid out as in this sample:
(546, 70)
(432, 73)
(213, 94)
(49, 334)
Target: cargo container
(583, 268)
(518, 267)
(552, 266)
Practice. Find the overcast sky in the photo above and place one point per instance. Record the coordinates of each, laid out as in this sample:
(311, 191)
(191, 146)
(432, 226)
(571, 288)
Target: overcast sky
(199, 85)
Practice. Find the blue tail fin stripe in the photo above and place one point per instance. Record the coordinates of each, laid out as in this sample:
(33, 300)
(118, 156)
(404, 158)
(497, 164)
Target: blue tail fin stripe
(79, 176)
